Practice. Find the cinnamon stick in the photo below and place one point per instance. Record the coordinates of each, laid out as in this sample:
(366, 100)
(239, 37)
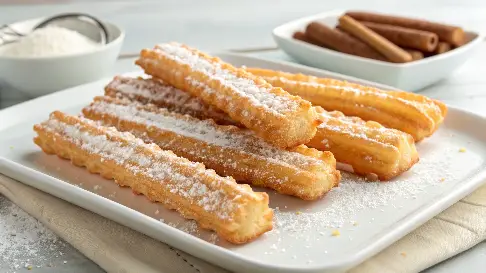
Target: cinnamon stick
(301, 36)
(340, 41)
(416, 55)
(406, 37)
(451, 34)
(442, 47)
(374, 40)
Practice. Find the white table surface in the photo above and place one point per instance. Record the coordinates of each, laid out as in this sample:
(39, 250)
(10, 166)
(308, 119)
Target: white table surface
(216, 25)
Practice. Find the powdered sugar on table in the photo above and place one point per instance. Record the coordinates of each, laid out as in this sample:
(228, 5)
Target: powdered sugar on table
(24, 241)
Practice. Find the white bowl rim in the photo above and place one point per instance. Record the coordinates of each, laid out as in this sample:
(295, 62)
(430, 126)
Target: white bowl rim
(104, 47)
(277, 32)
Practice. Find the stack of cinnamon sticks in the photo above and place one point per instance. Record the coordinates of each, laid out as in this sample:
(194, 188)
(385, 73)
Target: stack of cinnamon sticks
(384, 37)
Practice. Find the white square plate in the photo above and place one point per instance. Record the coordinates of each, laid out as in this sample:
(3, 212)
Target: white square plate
(369, 216)
(407, 76)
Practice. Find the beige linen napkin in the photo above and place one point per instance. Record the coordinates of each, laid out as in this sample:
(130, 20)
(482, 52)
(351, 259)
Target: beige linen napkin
(116, 248)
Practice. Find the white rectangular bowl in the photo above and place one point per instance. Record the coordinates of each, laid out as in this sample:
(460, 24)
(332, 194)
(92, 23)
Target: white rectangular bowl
(407, 76)
(369, 216)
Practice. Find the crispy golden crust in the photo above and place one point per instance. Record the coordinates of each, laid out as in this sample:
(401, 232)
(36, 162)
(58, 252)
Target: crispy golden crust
(374, 148)
(234, 211)
(411, 113)
(368, 147)
(157, 92)
(301, 171)
(276, 116)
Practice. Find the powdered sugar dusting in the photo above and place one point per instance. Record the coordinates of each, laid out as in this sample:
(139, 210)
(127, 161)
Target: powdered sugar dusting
(24, 240)
(189, 226)
(337, 88)
(163, 95)
(149, 89)
(259, 96)
(355, 127)
(355, 195)
(243, 140)
(158, 165)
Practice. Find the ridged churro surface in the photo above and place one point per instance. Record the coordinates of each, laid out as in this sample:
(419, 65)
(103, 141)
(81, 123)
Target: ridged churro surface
(375, 150)
(218, 203)
(157, 92)
(414, 114)
(301, 171)
(367, 146)
(276, 116)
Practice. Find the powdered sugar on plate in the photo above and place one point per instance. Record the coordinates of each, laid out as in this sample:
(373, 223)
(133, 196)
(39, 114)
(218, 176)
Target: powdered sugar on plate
(355, 197)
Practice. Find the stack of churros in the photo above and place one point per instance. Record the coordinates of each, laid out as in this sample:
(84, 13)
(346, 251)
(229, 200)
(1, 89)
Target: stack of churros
(188, 134)
(369, 148)
(229, 150)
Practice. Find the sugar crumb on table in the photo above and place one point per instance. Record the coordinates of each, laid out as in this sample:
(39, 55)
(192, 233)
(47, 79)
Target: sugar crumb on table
(24, 241)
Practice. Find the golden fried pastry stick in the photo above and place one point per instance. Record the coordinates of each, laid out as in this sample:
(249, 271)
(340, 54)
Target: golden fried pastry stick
(411, 113)
(218, 203)
(392, 151)
(157, 92)
(368, 147)
(275, 115)
(229, 150)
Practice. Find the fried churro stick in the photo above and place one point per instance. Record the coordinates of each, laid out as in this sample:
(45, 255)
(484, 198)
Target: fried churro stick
(234, 211)
(276, 116)
(406, 37)
(302, 172)
(414, 114)
(157, 92)
(388, 49)
(367, 146)
(451, 34)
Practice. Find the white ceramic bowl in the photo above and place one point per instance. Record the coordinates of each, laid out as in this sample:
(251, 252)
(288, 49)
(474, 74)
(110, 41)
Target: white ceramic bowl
(39, 76)
(407, 76)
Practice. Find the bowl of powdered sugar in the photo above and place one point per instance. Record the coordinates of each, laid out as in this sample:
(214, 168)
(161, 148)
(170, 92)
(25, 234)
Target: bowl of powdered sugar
(54, 57)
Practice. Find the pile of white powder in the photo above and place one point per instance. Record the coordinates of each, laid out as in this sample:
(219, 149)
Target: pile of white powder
(49, 41)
